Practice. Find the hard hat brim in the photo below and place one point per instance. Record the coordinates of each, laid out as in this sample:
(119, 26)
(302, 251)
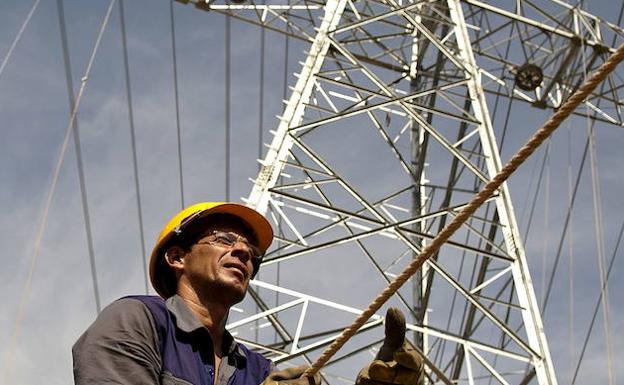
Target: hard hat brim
(257, 222)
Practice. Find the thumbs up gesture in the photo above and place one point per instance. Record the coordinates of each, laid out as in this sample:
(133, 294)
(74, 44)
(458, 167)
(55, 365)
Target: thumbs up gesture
(396, 362)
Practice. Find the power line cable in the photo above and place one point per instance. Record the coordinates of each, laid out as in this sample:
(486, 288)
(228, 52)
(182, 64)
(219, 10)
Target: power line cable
(564, 232)
(280, 231)
(507, 170)
(78, 149)
(597, 307)
(571, 339)
(177, 101)
(600, 255)
(227, 104)
(571, 205)
(536, 193)
(260, 125)
(260, 122)
(501, 145)
(18, 36)
(546, 214)
(261, 101)
(507, 119)
(598, 225)
(133, 141)
(286, 55)
(48, 202)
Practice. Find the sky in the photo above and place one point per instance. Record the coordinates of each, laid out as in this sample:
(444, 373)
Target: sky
(58, 298)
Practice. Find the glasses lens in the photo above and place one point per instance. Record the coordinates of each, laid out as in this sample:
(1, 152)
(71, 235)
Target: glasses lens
(229, 239)
(226, 239)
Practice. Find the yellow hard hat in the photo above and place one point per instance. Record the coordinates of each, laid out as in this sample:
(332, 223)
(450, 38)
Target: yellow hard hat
(161, 276)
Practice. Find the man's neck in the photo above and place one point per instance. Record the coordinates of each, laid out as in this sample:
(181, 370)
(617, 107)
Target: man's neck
(212, 314)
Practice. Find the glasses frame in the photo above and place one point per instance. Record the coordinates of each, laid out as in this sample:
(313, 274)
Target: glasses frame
(228, 239)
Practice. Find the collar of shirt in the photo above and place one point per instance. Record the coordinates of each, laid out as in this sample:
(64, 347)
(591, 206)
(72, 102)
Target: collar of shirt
(186, 321)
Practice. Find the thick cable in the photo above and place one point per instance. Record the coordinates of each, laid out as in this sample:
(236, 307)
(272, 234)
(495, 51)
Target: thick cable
(490, 188)
(261, 92)
(135, 166)
(177, 101)
(228, 80)
(18, 36)
(48, 201)
(78, 150)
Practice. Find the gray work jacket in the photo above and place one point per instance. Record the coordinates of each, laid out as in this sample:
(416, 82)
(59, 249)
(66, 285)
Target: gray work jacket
(145, 340)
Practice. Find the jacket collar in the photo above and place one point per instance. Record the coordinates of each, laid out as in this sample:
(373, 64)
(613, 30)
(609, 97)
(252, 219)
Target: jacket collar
(186, 321)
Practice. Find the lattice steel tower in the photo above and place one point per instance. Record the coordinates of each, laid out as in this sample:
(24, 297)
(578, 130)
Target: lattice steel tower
(387, 133)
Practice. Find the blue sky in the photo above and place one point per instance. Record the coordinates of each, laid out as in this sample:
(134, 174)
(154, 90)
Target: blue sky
(34, 117)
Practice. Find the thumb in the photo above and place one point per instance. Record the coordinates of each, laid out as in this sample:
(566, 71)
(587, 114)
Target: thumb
(287, 374)
(395, 334)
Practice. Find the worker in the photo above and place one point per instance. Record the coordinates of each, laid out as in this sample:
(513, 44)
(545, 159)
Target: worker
(201, 266)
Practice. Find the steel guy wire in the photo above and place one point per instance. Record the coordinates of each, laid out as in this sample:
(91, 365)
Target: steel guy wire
(597, 307)
(546, 216)
(600, 255)
(228, 81)
(78, 149)
(565, 227)
(48, 199)
(135, 166)
(177, 100)
(570, 254)
(261, 92)
(18, 36)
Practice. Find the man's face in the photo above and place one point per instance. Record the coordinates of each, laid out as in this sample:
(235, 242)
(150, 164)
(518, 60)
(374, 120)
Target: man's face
(216, 271)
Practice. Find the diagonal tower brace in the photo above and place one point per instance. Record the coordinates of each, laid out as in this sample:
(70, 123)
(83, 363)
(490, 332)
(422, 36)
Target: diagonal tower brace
(318, 100)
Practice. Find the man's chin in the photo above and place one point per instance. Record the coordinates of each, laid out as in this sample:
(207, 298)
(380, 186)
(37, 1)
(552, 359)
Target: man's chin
(233, 289)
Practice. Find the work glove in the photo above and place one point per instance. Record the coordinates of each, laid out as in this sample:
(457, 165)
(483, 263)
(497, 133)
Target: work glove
(397, 362)
(291, 376)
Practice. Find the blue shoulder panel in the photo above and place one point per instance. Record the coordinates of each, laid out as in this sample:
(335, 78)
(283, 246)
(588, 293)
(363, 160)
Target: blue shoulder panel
(179, 357)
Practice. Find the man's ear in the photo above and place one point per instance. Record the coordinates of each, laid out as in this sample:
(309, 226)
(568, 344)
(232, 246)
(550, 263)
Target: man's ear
(174, 257)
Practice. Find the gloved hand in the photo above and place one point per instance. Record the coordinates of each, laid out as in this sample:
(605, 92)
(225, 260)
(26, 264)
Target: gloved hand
(397, 362)
(291, 376)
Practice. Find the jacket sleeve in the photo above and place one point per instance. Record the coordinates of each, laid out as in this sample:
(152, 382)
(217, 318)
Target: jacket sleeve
(120, 347)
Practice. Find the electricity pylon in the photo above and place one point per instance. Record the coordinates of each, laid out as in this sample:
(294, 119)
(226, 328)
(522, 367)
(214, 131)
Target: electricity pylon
(386, 135)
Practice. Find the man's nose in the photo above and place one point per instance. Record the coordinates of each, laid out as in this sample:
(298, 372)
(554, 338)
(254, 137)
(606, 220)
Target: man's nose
(241, 249)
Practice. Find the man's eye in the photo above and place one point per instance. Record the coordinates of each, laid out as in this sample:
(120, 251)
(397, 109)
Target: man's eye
(224, 239)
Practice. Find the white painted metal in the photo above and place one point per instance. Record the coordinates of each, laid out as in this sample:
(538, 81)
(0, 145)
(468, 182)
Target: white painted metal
(343, 78)
(282, 142)
(304, 299)
(526, 295)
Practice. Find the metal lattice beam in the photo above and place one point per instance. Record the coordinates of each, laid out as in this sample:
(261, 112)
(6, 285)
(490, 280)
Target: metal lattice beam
(386, 134)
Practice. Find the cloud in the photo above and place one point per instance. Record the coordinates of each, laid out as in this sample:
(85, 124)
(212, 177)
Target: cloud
(33, 111)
